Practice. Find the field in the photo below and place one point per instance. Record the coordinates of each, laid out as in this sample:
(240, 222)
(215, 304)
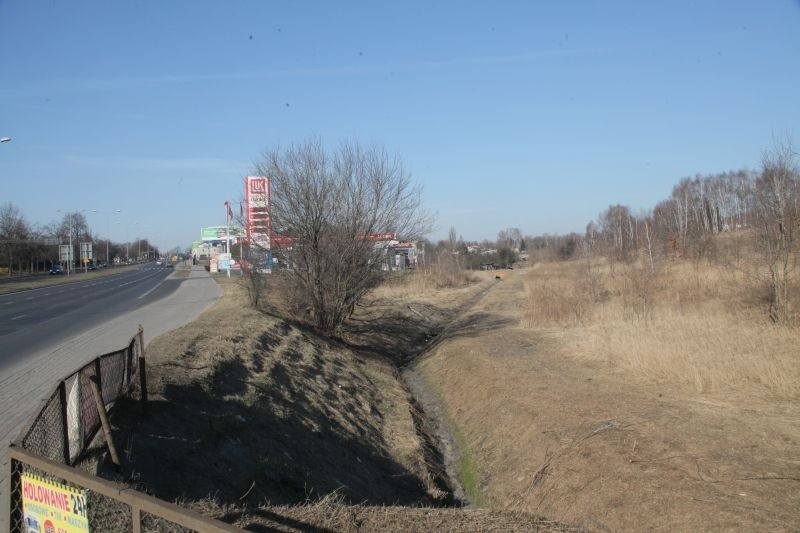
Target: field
(628, 400)
(606, 397)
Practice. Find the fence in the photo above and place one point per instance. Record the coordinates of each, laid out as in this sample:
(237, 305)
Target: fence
(69, 420)
(44, 486)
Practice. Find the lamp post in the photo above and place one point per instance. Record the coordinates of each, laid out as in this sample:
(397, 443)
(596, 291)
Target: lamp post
(5, 139)
(127, 240)
(71, 256)
(108, 230)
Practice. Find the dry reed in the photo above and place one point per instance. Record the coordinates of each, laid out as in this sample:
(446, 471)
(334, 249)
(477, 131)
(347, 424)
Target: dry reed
(696, 325)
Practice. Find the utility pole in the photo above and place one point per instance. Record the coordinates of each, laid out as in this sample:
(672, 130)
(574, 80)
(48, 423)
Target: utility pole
(108, 229)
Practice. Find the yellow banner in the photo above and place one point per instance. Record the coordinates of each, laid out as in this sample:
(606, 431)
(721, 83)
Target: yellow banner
(50, 507)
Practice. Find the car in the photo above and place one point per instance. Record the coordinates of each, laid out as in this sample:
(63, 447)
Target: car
(56, 269)
(159, 262)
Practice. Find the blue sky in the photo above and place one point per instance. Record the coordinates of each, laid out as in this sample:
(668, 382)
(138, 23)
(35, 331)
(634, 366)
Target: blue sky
(509, 114)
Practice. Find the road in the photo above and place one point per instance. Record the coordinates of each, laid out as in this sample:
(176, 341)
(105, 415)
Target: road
(47, 333)
(34, 319)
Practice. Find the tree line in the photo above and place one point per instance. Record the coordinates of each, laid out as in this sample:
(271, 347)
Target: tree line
(30, 248)
(726, 216)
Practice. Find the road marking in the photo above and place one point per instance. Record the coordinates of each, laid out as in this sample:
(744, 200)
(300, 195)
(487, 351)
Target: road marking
(154, 288)
(47, 294)
(20, 316)
(8, 303)
(29, 298)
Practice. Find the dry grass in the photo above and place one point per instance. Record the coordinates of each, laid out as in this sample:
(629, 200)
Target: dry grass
(697, 325)
(428, 284)
(584, 409)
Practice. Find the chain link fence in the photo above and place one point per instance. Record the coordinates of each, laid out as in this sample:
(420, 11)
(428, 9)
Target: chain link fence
(43, 480)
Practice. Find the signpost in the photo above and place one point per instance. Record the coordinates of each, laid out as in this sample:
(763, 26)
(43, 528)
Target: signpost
(65, 256)
(259, 227)
(86, 255)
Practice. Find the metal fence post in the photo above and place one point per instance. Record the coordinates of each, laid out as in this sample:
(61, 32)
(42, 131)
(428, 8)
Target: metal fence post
(14, 497)
(62, 396)
(141, 340)
(97, 373)
(142, 371)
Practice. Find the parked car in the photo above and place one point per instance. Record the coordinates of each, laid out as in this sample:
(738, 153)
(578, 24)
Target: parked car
(56, 269)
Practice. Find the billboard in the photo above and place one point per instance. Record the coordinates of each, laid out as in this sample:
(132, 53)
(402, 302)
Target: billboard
(256, 195)
(50, 506)
(219, 233)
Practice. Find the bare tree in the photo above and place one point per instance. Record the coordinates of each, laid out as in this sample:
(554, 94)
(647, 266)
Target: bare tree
(73, 225)
(452, 240)
(333, 204)
(14, 231)
(777, 194)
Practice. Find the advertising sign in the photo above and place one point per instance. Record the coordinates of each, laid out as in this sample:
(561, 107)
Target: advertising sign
(256, 196)
(213, 233)
(53, 507)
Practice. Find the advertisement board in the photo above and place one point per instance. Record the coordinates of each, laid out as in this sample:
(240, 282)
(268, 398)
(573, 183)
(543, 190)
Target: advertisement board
(53, 507)
(213, 233)
(257, 211)
(219, 233)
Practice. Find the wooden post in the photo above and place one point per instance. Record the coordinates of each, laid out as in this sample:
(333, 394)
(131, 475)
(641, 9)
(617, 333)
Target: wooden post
(136, 518)
(101, 410)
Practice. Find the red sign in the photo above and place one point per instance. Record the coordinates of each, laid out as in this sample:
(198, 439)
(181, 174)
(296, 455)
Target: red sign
(258, 224)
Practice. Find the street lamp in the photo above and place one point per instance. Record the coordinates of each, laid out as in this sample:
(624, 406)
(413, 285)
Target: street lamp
(127, 240)
(71, 251)
(5, 139)
(108, 230)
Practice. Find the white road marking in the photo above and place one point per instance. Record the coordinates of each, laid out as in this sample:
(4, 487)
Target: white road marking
(154, 288)
(20, 316)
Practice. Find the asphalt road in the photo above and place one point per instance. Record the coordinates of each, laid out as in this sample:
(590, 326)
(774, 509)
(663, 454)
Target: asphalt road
(48, 333)
(35, 319)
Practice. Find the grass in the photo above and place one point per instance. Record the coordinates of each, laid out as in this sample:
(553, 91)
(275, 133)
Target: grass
(468, 472)
(698, 325)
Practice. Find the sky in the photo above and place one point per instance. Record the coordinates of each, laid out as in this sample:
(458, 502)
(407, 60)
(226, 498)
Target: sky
(535, 115)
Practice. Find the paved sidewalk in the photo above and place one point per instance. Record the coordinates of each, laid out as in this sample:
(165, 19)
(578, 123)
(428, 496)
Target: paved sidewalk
(25, 387)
